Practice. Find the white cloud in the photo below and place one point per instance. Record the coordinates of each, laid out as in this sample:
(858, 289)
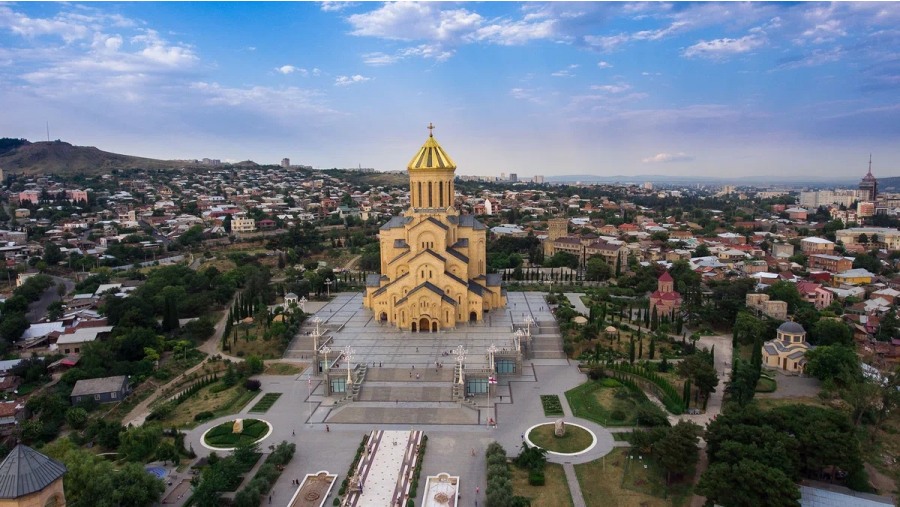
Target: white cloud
(271, 101)
(428, 21)
(718, 49)
(674, 28)
(335, 6)
(528, 95)
(616, 88)
(567, 72)
(506, 33)
(411, 21)
(68, 30)
(662, 158)
(606, 44)
(427, 51)
(349, 80)
(604, 65)
(286, 69)
(379, 59)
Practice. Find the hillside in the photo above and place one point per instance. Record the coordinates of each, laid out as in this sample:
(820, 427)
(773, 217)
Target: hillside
(57, 157)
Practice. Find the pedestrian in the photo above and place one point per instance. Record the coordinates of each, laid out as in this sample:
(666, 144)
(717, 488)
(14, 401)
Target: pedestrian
(473, 451)
(270, 499)
(501, 397)
(379, 364)
(327, 428)
(293, 433)
(523, 436)
(410, 374)
(477, 490)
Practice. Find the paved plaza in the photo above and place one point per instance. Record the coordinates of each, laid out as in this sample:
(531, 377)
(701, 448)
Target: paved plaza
(392, 398)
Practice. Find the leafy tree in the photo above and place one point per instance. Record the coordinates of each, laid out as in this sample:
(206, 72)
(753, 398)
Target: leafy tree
(868, 262)
(831, 332)
(701, 251)
(787, 292)
(888, 326)
(677, 450)
(13, 326)
(701, 370)
(254, 365)
(597, 269)
(834, 362)
(76, 417)
(748, 484)
(139, 443)
(742, 386)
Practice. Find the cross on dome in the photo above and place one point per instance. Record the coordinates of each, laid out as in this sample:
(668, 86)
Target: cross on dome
(430, 130)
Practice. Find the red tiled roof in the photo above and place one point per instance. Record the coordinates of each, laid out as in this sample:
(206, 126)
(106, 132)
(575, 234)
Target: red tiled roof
(665, 277)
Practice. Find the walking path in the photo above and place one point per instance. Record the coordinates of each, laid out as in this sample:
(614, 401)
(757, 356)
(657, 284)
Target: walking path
(574, 488)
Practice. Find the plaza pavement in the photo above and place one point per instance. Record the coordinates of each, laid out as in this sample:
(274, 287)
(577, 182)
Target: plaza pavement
(326, 441)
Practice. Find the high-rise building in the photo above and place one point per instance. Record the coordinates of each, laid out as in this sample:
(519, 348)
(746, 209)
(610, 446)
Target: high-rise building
(868, 187)
(513, 177)
(538, 179)
(285, 162)
(433, 273)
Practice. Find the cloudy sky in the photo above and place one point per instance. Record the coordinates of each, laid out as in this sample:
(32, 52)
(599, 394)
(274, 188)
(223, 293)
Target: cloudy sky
(725, 89)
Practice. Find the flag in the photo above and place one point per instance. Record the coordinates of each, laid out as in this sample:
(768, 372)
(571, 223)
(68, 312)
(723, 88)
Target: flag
(492, 380)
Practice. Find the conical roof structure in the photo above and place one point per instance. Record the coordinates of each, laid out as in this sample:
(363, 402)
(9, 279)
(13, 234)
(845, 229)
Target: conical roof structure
(431, 156)
(25, 471)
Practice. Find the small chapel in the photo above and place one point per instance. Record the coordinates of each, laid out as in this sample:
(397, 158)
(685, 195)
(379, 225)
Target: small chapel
(433, 259)
(665, 299)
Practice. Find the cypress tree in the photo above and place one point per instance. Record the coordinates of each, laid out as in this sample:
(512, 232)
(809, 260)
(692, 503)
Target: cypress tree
(631, 351)
(640, 348)
(652, 347)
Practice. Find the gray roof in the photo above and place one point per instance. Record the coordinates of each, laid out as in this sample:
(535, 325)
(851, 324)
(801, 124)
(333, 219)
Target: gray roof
(373, 280)
(25, 471)
(493, 279)
(98, 385)
(791, 327)
(395, 222)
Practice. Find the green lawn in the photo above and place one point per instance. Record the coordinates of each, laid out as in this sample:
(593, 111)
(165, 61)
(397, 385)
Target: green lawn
(265, 403)
(575, 439)
(609, 406)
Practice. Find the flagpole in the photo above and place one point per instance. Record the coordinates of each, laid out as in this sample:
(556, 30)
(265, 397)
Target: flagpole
(308, 396)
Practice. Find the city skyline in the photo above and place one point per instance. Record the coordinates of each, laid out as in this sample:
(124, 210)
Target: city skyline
(701, 89)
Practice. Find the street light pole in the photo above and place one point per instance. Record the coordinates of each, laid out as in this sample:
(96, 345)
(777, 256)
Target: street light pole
(348, 353)
(328, 288)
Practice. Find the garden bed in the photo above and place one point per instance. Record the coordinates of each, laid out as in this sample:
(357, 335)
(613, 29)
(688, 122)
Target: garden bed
(554, 493)
(605, 402)
(265, 403)
(223, 436)
(551, 404)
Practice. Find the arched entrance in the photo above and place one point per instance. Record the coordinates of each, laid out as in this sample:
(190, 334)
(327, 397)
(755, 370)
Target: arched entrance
(383, 317)
(414, 328)
(423, 324)
(473, 317)
(434, 327)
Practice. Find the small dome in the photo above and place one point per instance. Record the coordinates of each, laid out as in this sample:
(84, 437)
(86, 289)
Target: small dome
(431, 156)
(791, 327)
(611, 329)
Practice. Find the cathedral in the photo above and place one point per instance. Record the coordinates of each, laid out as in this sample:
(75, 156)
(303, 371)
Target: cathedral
(433, 259)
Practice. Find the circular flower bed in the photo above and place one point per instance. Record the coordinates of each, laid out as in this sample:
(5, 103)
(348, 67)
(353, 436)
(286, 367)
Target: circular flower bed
(576, 440)
(223, 436)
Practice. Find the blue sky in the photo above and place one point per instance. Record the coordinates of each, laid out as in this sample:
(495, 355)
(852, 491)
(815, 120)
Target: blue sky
(722, 89)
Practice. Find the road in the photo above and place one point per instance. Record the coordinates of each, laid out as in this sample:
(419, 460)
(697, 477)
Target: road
(38, 309)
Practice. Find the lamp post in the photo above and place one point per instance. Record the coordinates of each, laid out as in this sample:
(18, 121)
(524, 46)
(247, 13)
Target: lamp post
(316, 334)
(529, 321)
(348, 353)
(493, 349)
(518, 335)
(328, 288)
(325, 350)
(460, 353)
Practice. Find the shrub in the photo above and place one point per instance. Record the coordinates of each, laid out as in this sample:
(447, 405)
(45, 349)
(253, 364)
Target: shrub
(617, 415)
(610, 382)
(536, 478)
(252, 385)
(203, 416)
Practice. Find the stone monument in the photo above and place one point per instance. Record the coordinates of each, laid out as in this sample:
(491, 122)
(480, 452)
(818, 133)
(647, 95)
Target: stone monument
(559, 428)
(238, 426)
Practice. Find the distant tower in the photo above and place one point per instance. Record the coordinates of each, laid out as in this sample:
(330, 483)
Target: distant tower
(868, 187)
(556, 228)
(286, 163)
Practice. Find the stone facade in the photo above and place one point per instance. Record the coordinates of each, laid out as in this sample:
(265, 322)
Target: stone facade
(433, 259)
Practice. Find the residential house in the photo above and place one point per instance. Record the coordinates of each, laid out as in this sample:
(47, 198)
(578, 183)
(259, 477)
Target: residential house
(832, 263)
(814, 245)
(816, 294)
(763, 305)
(858, 276)
(102, 390)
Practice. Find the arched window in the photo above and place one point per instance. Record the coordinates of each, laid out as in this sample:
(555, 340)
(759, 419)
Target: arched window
(420, 194)
(441, 192)
(430, 205)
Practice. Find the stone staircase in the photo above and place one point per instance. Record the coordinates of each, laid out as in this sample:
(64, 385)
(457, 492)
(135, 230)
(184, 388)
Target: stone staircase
(546, 342)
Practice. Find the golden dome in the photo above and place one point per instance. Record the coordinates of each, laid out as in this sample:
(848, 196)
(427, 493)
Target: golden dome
(431, 155)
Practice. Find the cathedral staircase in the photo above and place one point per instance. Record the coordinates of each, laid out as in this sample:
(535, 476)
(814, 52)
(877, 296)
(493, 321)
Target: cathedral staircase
(546, 341)
(396, 395)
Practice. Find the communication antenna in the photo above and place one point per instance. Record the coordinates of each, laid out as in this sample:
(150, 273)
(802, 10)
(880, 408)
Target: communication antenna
(48, 133)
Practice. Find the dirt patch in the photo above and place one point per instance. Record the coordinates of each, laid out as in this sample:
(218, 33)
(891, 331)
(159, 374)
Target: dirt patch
(554, 492)
(313, 490)
(881, 482)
